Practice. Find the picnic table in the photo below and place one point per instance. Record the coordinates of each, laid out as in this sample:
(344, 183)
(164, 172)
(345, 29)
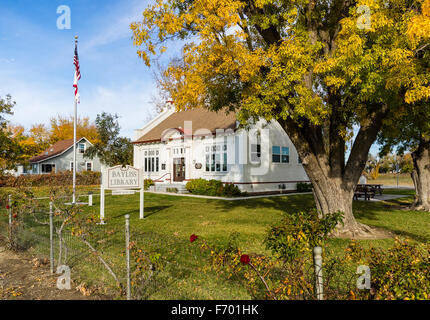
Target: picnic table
(367, 190)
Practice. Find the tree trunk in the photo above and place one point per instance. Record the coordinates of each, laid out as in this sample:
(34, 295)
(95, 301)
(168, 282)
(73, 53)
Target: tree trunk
(333, 195)
(421, 175)
(334, 179)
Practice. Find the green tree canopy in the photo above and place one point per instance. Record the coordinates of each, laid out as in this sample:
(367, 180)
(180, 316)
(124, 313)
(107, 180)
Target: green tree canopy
(110, 148)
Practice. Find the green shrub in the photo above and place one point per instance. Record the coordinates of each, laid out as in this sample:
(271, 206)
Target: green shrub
(64, 178)
(401, 272)
(304, 187)
(230, 190)
(299, 233)
(148, 183)
(212, 188)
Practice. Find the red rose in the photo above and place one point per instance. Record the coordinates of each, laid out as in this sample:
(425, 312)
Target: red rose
(193, 238)
(14, 215)
(244, 259)
(8, 207)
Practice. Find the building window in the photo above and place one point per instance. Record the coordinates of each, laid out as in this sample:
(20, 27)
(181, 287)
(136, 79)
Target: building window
(34, 168)
(48, 168)
(71, 166)
(89, 166)
(276, 154)
(81, 148)
(285, 155)
(255, 153)
(178, 151)
(216, 158)
(152, 161)
(280, 154)
(163, 166)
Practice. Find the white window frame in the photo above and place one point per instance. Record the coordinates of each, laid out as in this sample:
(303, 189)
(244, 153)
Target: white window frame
(86, 166)
(255, 154)
(52, 164)
(79, 147)
(151, 160)
(217, 153)
(281, 154)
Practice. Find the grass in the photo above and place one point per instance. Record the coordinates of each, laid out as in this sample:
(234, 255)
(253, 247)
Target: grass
(390, 179)
(170, 220)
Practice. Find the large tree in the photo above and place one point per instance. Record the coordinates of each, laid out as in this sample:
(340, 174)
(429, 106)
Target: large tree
(110, 148)
(10, 150)
(411, 132)
(410, 128)
(62, 128)
(318, 67)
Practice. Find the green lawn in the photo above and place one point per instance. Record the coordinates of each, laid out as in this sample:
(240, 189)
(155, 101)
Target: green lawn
(390, 179)
(170, 220)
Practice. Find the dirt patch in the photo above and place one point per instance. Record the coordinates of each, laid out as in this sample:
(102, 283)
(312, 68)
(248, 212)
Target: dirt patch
(25, 277)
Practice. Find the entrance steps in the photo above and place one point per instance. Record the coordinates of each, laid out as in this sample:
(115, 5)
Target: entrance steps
(169, 187)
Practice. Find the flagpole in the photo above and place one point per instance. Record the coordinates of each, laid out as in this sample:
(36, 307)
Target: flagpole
(74, 142)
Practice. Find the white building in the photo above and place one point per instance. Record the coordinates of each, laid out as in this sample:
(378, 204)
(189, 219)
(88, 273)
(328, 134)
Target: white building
(177, 147)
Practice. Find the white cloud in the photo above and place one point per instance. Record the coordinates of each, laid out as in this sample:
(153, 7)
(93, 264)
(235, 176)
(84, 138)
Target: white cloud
(7, 60)
(115, 25)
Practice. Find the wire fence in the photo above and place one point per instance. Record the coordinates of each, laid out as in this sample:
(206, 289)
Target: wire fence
(137, 266)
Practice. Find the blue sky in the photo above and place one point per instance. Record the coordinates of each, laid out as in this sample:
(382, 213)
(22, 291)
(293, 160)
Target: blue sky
(36, 61)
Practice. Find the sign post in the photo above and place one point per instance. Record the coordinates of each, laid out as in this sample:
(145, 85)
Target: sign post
(102, 204)
(121, 178)
(142, 207)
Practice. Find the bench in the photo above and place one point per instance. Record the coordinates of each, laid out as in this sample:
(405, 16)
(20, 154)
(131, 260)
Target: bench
(364, 191)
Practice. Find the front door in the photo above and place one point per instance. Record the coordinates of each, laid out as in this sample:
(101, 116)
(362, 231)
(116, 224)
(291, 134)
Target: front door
(179, 169)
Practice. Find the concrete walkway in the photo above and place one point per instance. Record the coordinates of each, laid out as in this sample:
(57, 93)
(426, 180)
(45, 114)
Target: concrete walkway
(227, 199)
(384, 197)
(377, 198)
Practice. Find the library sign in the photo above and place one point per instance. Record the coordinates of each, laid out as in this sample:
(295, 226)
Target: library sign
(122, 180)
(120, 177)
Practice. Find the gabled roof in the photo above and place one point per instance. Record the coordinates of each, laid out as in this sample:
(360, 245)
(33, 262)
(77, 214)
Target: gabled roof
(201, 119)
(56, 149)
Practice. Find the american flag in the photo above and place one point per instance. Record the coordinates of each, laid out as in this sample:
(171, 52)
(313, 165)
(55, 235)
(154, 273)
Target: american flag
(77, 73)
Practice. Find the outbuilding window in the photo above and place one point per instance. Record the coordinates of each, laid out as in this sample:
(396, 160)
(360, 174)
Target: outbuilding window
(48, 167)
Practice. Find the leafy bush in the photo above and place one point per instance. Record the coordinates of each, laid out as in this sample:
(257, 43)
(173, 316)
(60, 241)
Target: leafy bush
(148, 183)
(401, 272)
(266, 277)
(304, 187)
(298, 233)
(64, 178)
(212, 188)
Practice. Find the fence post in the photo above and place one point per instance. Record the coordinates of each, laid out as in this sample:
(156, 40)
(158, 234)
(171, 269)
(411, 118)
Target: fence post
(90, 199)
(9, 203)
(318, 273)
(127, 250)
(51, 237)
